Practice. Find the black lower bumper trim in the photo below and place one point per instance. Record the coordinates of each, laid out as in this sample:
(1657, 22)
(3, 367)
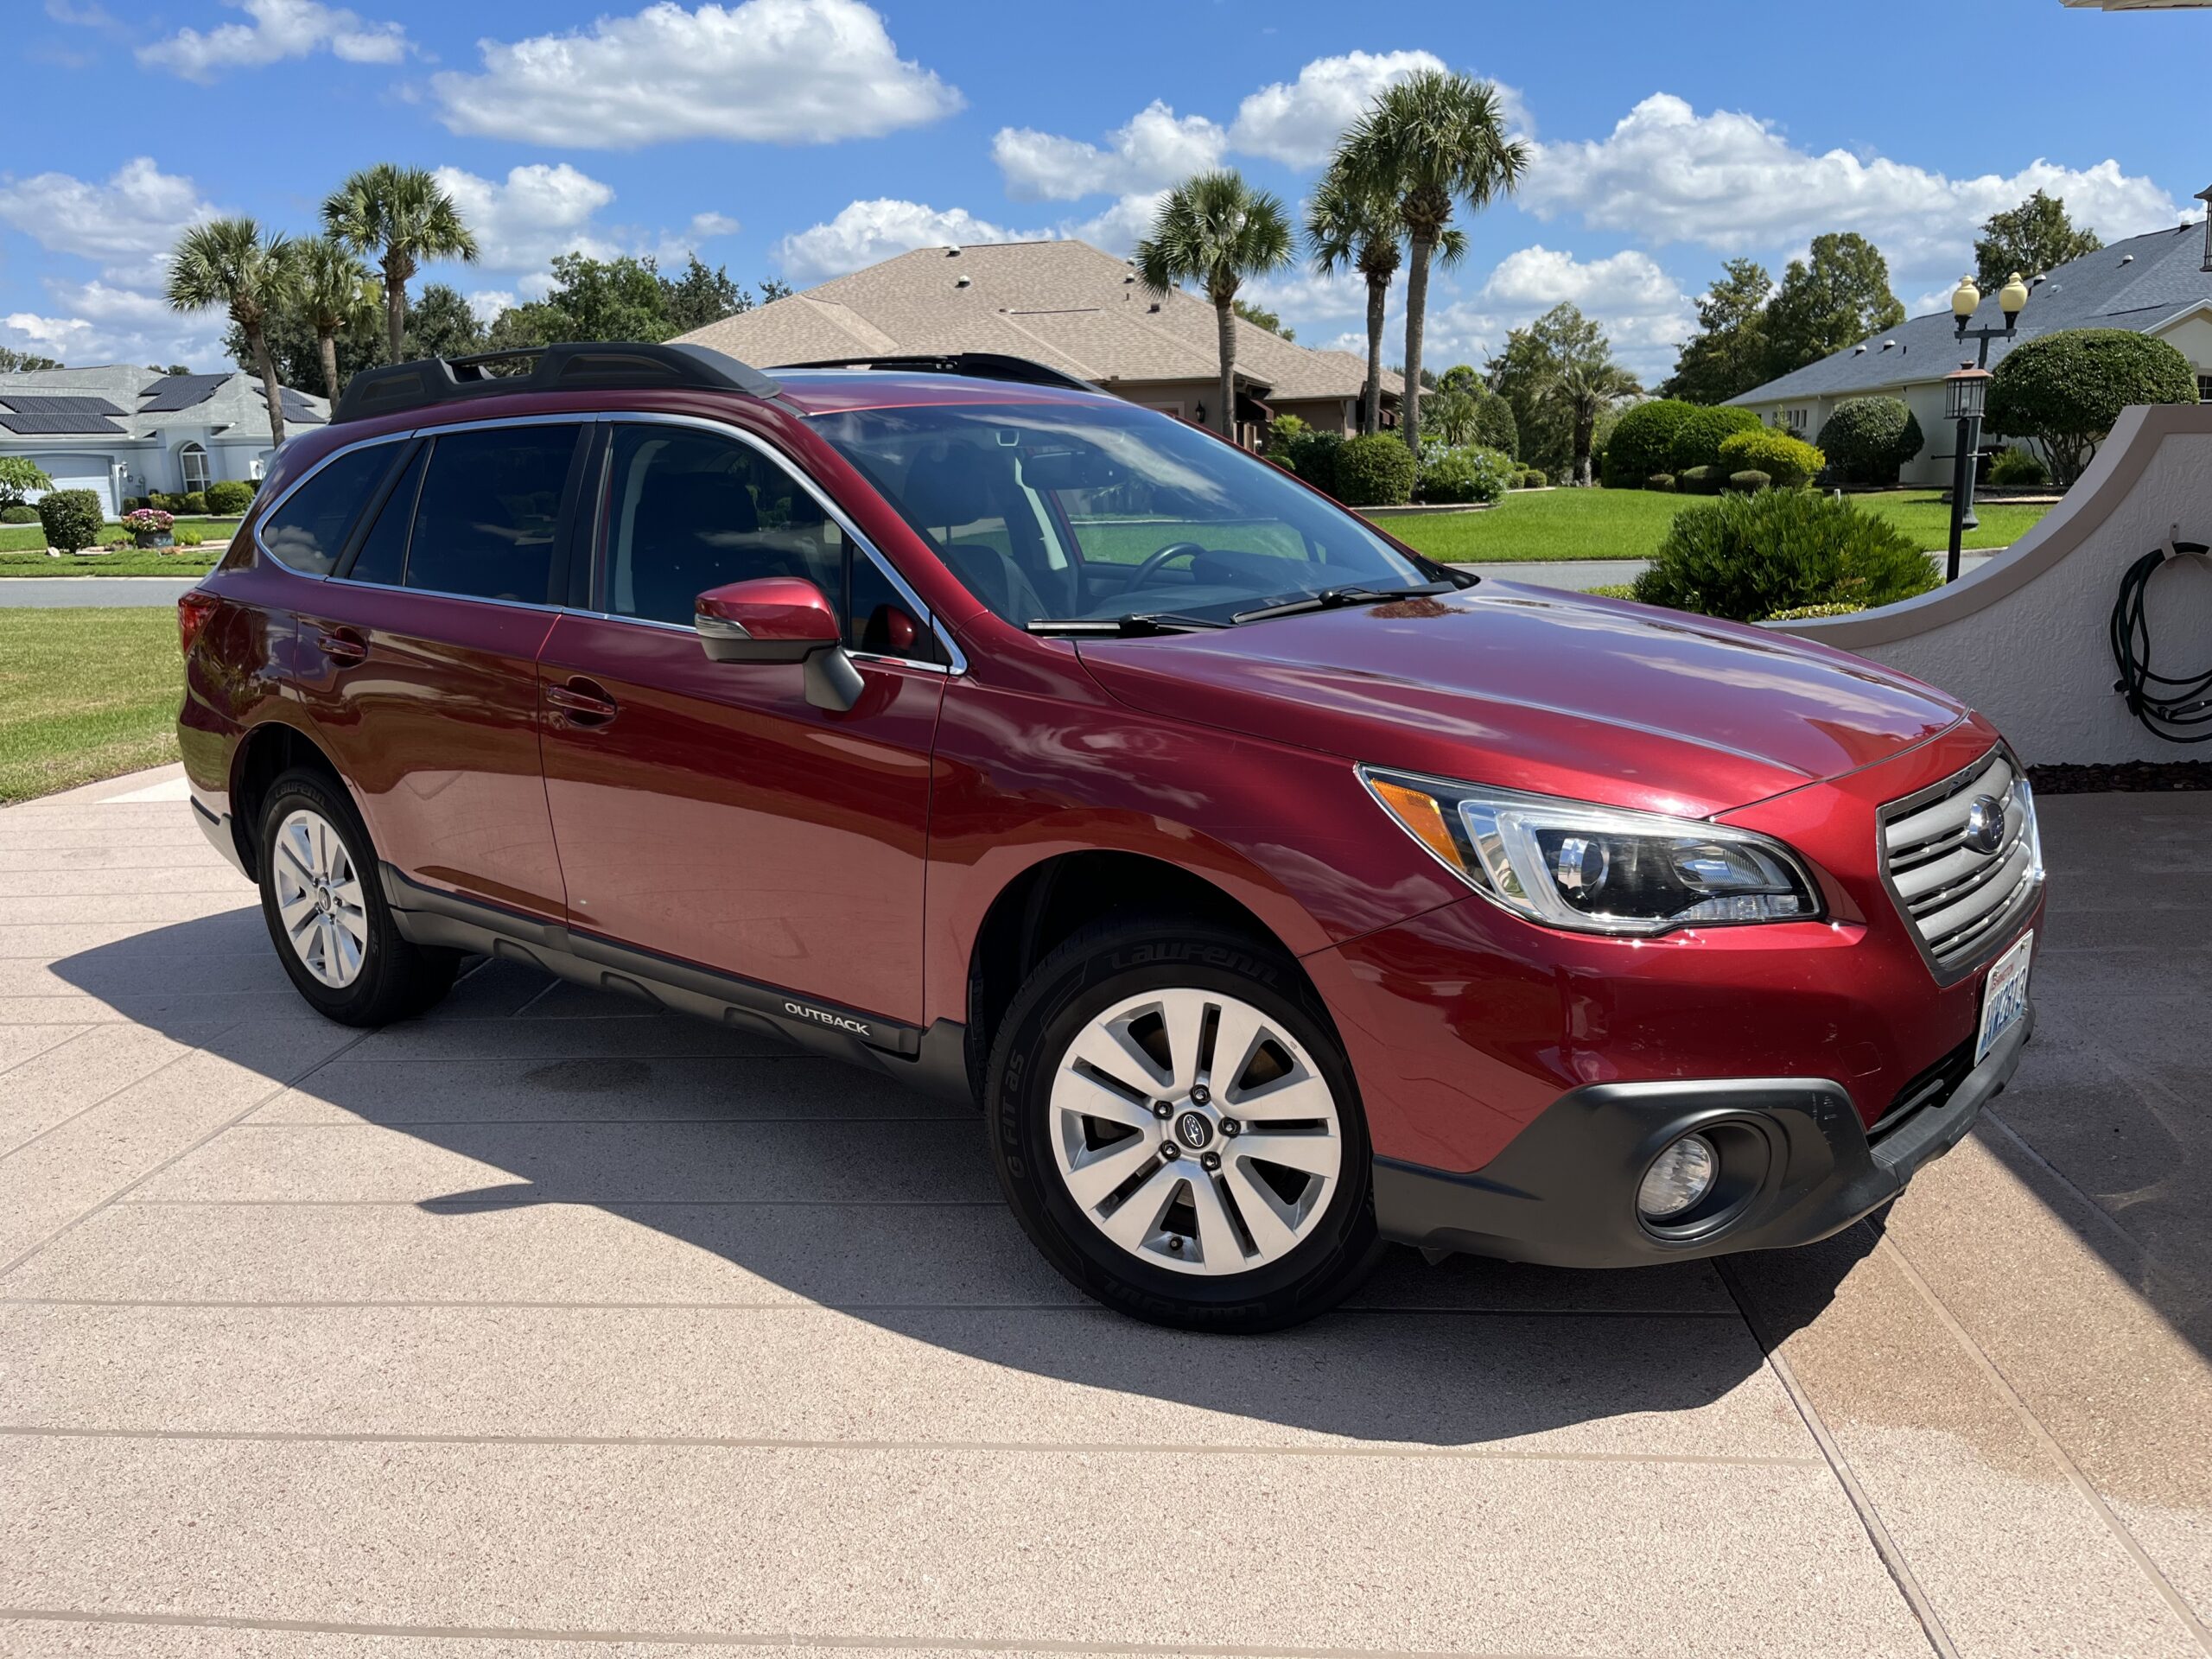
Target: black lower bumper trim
(1795, 1166)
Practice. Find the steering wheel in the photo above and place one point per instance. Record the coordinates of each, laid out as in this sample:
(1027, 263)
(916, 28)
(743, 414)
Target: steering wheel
(1173, 551)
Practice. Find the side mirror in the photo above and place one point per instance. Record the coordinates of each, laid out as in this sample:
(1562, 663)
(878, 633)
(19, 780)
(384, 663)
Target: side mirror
(780, 619)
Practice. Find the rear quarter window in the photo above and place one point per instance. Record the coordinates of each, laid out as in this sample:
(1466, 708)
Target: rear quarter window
(308, 531)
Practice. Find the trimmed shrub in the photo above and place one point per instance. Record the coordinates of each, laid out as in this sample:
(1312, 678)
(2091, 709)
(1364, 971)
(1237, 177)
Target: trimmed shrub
(1468, 474)
(1701, 480)
(17, 513)
(1806, 613)
(1701, 432)
(1789, 461)
(1312, 456)
(1749, 480)
(189, 535)
(1377, 471)
(230, 497)
(1867, 439)
(195, 502)
(1534, 478)
(1748, 556)
(2066, 390)
(165, 501)
(132, 502)
(1663, 482)
(2017, 469)
(1642, 443)
(71, 518)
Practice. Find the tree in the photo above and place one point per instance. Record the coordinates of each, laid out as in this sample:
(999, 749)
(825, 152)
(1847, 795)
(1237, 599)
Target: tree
(1351, 228)
(1837, 299)
(1430, 142)
(1585, 387)
(700, 296)
(441, 323)
(173, 368)
(298, 355)
(772, 290)
(1727, 355)
(336, 293)
(1451, 414)
(14, 362)
(524, 327)
(402, 217)
(1526, 371)
(2031, 239)
(1215, 230)
(228, 262)
(2065, 389)
(17, 475)
(1259, 317)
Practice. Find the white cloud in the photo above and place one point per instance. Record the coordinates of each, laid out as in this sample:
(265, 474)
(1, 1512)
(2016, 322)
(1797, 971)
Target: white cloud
(539, 210)
(766, 71)
(1733, 182)
(130, 221)
(867, 232)
(1540, 277)
(280, 29)
(1299, 122)
(1117, 228)
(485, 303)
(101, 303)
(1157, 148)
(85, 341)
(707, 225)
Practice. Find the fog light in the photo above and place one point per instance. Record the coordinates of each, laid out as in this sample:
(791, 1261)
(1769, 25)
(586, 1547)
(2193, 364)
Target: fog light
(1679, 1179)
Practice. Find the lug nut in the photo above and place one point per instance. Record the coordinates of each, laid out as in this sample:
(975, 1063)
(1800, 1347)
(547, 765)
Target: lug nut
(1169, 1152)
(1176, 1245)
(1230, 1126)
(1212, 1160)
(1160, 1109)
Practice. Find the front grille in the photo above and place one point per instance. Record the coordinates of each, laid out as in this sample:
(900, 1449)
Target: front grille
(1960, 898)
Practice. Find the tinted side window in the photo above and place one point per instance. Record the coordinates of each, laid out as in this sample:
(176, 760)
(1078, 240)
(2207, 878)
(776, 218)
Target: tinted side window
(307, 532)
(382, 556)
(489, 509)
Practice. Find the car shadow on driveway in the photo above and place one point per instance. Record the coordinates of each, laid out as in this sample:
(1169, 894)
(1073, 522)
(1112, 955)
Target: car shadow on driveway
(530, 1145)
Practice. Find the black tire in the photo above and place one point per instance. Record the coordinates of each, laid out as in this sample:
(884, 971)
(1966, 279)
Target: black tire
(396, 978)
(1090, 973)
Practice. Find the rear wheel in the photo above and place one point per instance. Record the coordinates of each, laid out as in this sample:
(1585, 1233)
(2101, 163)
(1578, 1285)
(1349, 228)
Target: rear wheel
(326, 911)
(1177, 1129)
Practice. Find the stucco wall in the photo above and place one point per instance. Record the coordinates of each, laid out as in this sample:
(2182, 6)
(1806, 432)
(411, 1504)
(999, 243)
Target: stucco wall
(2024, 638)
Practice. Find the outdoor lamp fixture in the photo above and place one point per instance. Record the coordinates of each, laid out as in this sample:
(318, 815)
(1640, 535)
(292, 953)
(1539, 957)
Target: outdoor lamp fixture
(2205, 196)
(2012, 300)
(1966, 393)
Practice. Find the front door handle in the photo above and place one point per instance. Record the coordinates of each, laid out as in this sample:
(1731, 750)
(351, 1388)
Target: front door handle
(582, 703)
(342, 646)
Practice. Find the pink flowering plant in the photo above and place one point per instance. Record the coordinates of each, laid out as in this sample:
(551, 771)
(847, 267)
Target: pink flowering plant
(146, 521)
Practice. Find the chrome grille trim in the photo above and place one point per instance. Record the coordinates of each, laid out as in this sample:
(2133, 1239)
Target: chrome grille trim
(1957, 900)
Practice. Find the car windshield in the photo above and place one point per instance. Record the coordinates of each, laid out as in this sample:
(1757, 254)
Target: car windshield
(1103, 512)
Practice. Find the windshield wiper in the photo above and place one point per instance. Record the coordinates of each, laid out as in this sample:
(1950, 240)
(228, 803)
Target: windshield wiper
(1120, 627)
(1331, 599)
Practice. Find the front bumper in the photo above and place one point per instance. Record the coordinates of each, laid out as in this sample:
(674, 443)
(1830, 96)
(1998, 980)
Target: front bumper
(1801, 1165)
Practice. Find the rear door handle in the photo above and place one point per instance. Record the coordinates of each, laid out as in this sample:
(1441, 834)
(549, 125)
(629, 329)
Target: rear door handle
(582, 703)
(342, 646)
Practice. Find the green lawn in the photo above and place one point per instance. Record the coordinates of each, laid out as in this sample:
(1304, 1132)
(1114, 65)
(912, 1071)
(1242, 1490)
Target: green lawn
(30, 540)
(84, 694)
(1550, 524)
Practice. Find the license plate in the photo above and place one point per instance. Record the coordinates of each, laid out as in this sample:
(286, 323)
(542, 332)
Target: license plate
(2004, 995)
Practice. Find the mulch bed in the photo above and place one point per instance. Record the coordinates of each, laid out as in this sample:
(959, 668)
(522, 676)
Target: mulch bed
(2126, 776)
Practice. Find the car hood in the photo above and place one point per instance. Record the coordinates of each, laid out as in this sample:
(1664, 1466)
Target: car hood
(1530, 687)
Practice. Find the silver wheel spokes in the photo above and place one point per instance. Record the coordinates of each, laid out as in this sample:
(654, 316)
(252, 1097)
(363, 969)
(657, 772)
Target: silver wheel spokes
(1195, 1132)
(319, 898)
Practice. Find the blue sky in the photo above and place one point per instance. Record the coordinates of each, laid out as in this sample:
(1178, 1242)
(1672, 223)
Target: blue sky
(802, 138)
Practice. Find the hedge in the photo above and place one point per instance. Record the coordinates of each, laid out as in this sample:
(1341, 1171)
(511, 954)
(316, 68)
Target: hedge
(1749, 480)
(1642, 443)
(1748, 556)
(1469, 473)
(71, 518)
(2015, 468)
(1377, 471)
(1867, 439)
(1702, 431)
(1788, 461)
(229, 497)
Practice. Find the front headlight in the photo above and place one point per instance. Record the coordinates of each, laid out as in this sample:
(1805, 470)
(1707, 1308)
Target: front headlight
(1598, 869)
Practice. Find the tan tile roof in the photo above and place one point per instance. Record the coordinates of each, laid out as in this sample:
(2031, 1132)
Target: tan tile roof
(1062, 303)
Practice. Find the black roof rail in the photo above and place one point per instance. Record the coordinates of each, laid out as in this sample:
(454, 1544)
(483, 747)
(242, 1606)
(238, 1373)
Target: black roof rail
(573, 366)
(981, 366)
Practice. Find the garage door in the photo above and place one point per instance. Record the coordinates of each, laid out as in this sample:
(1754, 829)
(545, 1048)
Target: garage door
(81, 472)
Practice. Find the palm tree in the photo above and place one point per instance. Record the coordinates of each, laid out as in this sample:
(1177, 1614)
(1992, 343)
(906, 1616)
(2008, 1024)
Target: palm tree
(1215, 230)
(337, 296)
(402, 217)
(1429, 142)
(1348, 228)
(1588, 387)
(228, 262)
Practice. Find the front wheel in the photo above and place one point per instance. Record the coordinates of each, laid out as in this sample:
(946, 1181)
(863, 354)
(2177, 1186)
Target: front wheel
(1176, 1128)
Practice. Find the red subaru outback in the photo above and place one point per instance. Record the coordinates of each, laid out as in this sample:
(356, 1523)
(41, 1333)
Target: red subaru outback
(1277, 890)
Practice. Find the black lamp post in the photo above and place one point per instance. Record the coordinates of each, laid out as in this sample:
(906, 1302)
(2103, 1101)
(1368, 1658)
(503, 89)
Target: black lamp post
(1966, 393)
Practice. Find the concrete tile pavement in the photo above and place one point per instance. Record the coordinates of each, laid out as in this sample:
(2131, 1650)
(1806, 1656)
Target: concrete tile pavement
(549, 1325)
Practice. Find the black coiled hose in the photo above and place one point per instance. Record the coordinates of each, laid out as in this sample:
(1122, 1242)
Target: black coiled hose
(2168, 706)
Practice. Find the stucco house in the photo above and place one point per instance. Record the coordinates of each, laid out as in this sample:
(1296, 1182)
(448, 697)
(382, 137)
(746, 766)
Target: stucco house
(2154, 284)
(121, 431)
(1065, 304)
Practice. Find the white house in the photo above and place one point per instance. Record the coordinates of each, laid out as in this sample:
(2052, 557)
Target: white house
(122, 431)
(2152, 284)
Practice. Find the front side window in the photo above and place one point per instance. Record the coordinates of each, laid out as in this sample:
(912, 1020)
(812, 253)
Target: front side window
(1102, 512)
(688, 510)
(489, 510)
(308, 531)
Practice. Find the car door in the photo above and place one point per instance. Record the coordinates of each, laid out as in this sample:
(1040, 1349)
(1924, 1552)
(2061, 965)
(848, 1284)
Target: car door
(421, 657)
(706, 811)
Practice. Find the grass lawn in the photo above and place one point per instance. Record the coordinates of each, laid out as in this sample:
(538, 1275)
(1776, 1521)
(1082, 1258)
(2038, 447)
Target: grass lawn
(86, 695)
(30, 540)
(1550, 524)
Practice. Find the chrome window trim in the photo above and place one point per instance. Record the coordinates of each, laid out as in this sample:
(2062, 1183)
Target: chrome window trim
(658, 626)
(292, 489)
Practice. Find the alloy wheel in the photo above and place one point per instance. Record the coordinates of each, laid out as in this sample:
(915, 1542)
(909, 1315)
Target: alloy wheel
(319, 898)
(1195, 1132)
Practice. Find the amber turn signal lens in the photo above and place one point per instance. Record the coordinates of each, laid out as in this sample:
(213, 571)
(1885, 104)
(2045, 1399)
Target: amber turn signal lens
(1420, 814)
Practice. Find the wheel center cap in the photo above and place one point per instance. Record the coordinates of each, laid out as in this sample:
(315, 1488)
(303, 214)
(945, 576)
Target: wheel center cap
(1194, 1130)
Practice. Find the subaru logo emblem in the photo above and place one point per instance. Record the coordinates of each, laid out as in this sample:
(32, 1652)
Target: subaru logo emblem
(1193, 1130)
(1985, 824)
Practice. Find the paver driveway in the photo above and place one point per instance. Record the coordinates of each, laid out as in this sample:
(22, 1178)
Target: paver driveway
(548, 1323)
